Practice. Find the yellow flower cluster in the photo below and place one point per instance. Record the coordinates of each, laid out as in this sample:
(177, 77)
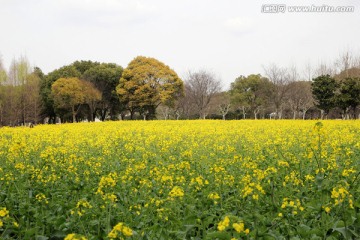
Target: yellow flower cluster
(5, 217)
(105, 188)
(239, 227)
(340, 194)
(293, 205)
(73, 236)
(81, 207)
(3, 214)
(199, 182)
(253, 189)
(120, 230)
(222, 225)
(214, 196)
(41, 198)
(176, 192)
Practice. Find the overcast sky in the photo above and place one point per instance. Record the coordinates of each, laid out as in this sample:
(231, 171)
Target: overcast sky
(228, 37)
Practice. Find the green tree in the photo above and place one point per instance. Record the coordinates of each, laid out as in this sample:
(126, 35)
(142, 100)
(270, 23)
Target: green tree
(105, 78)
(146, 83)
(48, 109)
(251, 92)
(83, 66)
(348, 97)
(324, 91)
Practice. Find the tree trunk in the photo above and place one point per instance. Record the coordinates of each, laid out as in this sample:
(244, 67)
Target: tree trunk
(91, 115)
(322, 113)
(304, 113)
(94, 115)
(103, 114)
(255, 114)
(73, 114)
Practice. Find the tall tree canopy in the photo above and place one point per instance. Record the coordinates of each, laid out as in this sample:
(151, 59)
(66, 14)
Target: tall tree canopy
(45, 89)
(348, 96)
(146, 83)
(251, 92)
(105, 77)
(19, 93)
(324, 89)
(71, 93)
(202, 87)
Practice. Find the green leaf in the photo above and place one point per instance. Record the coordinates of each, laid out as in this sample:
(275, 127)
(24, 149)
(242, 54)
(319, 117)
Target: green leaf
(39, 237)
(218, 235)
(345, 232)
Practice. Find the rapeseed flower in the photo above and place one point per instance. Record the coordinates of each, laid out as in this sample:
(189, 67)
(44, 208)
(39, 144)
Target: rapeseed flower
(222, 225)
(176, 192)
(120, 230)
(73, 236)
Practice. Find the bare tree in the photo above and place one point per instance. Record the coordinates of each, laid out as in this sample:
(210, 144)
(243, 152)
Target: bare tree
(184, 105)
(32, 100)
(356, 61)
(3, 77)
(300, 98)
(164, 111)
(221, 103)
(203, 86)
(308, 72)
(345, 62)
(279, 77)
(324, 69)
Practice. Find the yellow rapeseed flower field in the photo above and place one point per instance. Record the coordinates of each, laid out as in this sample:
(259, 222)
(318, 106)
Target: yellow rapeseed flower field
(201, 179)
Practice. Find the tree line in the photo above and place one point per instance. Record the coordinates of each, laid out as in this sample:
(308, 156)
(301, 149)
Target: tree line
(149, 89)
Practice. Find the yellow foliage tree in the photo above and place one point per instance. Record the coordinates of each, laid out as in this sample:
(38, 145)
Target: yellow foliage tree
(72, 92)
(146, 83)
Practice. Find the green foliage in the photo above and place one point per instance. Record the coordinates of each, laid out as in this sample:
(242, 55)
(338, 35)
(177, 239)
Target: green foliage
(349, 94)
(83, 66)
(146, 83)
(105, 78)
(251, 92)
(324, 91)
(45, 89)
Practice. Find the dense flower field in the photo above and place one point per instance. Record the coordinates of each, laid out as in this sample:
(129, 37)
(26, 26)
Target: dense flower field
(181, 180)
